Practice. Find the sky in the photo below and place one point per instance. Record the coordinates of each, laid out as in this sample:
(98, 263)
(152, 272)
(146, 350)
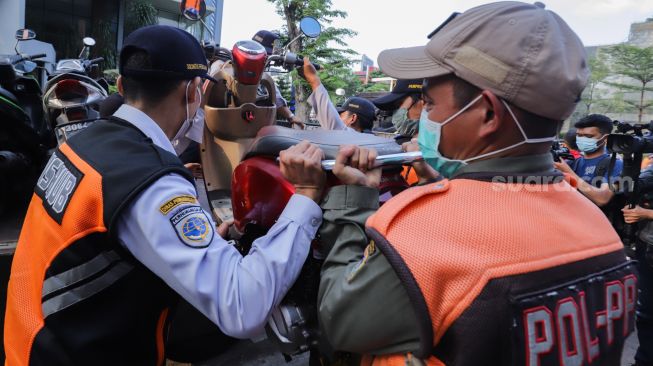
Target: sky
(383, 24)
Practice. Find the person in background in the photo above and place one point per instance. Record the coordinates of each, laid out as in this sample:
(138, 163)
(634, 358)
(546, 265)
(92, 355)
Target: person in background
(405, 102)
(356, 114)
(642, 216)
(267, 39)
(570, 142)
(591, 169)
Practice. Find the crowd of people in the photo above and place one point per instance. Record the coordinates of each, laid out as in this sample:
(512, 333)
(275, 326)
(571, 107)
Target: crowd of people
(455, 270)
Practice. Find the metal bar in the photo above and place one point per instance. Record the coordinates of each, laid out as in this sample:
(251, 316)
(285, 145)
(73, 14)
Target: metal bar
(385, 160)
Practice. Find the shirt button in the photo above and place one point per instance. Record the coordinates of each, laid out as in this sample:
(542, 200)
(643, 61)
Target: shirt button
(315, 221)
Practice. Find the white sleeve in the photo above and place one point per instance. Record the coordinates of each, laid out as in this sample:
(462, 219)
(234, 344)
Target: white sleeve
(325, 112)
(166, 230)
(279, 99)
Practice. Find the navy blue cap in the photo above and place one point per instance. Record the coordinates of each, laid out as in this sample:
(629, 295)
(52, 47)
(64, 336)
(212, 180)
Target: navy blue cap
(358, 105)
(402, 89)
(174, 53)
(266, 38)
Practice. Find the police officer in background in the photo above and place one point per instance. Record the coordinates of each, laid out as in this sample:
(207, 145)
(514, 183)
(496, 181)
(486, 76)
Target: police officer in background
(356, 114)
(114, 235)
(405, 102)
(504, 263)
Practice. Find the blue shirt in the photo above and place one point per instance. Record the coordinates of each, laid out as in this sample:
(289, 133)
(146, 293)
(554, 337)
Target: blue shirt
(587, 169)
(235, 292)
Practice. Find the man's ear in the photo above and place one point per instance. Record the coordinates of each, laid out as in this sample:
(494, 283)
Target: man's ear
(191, 94)
(354, 120)
(493, 113)
(119, 84)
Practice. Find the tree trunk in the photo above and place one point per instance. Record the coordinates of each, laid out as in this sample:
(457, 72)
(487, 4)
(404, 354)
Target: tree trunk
(641, 103)
(302, 109)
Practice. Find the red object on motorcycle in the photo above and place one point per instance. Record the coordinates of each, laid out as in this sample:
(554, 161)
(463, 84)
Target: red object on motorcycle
(249, 61)
(259, 192)
(248, 116)
(70, 89)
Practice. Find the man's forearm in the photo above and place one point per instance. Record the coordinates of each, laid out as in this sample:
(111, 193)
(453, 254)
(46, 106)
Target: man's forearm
(600, 196)
(285, 112)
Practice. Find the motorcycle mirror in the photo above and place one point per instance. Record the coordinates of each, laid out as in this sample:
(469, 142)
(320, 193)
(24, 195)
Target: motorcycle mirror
(340, 92)
(89, 42)
(193, 10)
(25, 34)
(310, 27)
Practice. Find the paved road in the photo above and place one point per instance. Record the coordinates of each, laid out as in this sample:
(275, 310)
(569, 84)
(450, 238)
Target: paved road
(262, 353)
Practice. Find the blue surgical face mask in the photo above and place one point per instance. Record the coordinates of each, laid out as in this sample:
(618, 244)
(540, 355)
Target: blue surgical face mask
(587, 144)
(430, 134)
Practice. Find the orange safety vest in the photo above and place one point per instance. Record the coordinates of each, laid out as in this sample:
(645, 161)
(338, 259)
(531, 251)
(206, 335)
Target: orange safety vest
(75, 296)
(507, 274)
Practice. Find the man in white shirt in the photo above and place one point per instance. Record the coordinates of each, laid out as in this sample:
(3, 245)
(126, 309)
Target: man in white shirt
(115, 233)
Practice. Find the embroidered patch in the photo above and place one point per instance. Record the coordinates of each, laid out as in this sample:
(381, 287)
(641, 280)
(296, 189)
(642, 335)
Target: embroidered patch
(369, 250)
(193, 227)
(176, 201)
(57, 184)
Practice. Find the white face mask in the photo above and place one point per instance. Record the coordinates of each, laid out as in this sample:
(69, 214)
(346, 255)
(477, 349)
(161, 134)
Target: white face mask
(192, 128)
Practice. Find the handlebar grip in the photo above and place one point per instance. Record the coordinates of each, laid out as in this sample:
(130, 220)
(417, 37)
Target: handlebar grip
(300, 63)
(96, 60)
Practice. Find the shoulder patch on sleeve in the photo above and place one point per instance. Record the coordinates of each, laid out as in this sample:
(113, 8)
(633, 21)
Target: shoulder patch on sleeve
(176, 201)
(193, 227)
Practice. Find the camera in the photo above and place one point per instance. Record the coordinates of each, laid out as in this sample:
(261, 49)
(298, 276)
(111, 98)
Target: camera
(561, 152)
(630, 138)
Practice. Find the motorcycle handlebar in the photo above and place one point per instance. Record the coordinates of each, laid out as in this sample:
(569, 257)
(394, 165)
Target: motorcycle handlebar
(300, 63)
(27, 57)
(96, 60)
(383, 160)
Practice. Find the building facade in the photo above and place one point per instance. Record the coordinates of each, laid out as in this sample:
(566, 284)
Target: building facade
(65, 22)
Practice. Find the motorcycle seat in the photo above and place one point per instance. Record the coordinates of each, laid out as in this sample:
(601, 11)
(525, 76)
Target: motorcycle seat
(270, 140)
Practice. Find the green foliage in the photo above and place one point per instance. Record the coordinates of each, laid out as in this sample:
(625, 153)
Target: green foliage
(636, 65)
(328, 50)
(633, 62)
(106, 43)
(599, 72)
(139, 14)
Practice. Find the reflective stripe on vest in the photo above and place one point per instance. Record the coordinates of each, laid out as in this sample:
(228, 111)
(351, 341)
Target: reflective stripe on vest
(83, 216)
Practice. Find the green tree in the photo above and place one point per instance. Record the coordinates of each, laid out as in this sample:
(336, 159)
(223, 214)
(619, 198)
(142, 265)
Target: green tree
(636, 65)
(599, 72)
(333, 60)
(139, 14)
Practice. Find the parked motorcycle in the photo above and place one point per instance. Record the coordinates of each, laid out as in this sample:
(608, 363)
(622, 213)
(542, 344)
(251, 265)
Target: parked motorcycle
(24, 138)
(72, 95)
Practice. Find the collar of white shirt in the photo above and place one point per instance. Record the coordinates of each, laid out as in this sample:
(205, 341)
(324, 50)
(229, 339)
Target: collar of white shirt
(146, 124)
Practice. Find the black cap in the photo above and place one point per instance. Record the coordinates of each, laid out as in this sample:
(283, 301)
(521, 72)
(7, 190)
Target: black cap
(266, 38)
(174, 53)
(359, 106)
(402, 89)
